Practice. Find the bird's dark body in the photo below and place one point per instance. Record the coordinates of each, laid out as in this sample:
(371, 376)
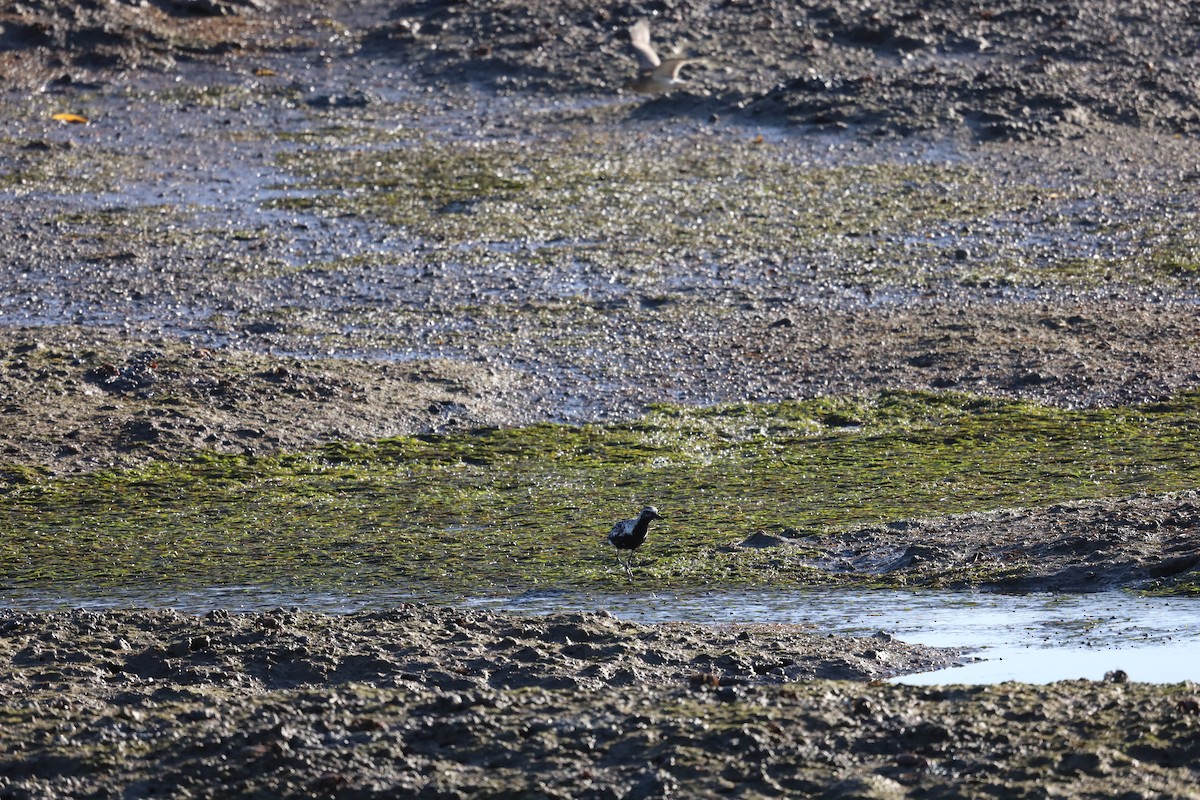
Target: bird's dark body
(630, 534)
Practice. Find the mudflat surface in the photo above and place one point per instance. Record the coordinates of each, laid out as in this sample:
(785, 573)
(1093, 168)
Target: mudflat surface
(460, 205)
(443, 702)
(268, 226)
(436, 702)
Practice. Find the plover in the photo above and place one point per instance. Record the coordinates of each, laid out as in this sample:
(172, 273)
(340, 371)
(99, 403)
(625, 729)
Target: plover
(630, 534)
(655, 76)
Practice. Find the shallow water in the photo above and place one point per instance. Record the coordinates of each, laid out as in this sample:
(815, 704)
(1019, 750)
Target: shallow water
(1034, 638)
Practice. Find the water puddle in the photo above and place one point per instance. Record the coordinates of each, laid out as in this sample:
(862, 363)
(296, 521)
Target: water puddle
(1033, 638)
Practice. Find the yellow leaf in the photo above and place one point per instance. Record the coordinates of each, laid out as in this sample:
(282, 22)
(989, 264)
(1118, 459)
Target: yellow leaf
(74, 119)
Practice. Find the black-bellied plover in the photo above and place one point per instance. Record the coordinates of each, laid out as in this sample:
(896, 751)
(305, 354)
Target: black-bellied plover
(630, 534)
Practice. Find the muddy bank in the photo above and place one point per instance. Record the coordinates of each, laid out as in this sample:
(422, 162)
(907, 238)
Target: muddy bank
(420, 646)
(85, 399)
(124, 400)
(444, 703)
(1011, 71)
(1138, 542)
(69, 44)
(83, 689)
(1014, 70)
(350, 182)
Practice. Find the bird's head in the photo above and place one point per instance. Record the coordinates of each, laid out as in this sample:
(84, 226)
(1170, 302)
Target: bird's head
(650, 512)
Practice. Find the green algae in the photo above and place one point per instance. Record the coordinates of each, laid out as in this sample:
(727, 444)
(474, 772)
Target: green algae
(125, 233)
(657, 201)
(1178, 259)
(645, 208)
(67, 170)
(234, 98)
(515, 509)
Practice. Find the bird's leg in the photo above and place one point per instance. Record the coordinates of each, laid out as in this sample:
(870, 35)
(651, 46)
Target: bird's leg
(624, 565)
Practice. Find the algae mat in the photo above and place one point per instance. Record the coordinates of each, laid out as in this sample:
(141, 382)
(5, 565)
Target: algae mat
(510, 510)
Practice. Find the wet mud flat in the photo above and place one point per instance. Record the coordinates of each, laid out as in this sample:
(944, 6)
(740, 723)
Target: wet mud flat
(344, 205)
(1098, 545)
(996, 202)
(436, 702)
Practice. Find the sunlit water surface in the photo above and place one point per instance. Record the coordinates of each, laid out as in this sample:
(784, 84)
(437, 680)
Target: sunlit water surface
(1035, 638)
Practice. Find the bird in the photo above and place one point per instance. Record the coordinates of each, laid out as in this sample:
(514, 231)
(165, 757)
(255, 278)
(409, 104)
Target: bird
(630, 534)
(655, 76)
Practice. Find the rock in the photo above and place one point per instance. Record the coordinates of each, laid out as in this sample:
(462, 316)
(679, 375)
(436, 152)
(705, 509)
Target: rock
(356, 99)
(865, 787)
(221, 8)
(761, 539)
